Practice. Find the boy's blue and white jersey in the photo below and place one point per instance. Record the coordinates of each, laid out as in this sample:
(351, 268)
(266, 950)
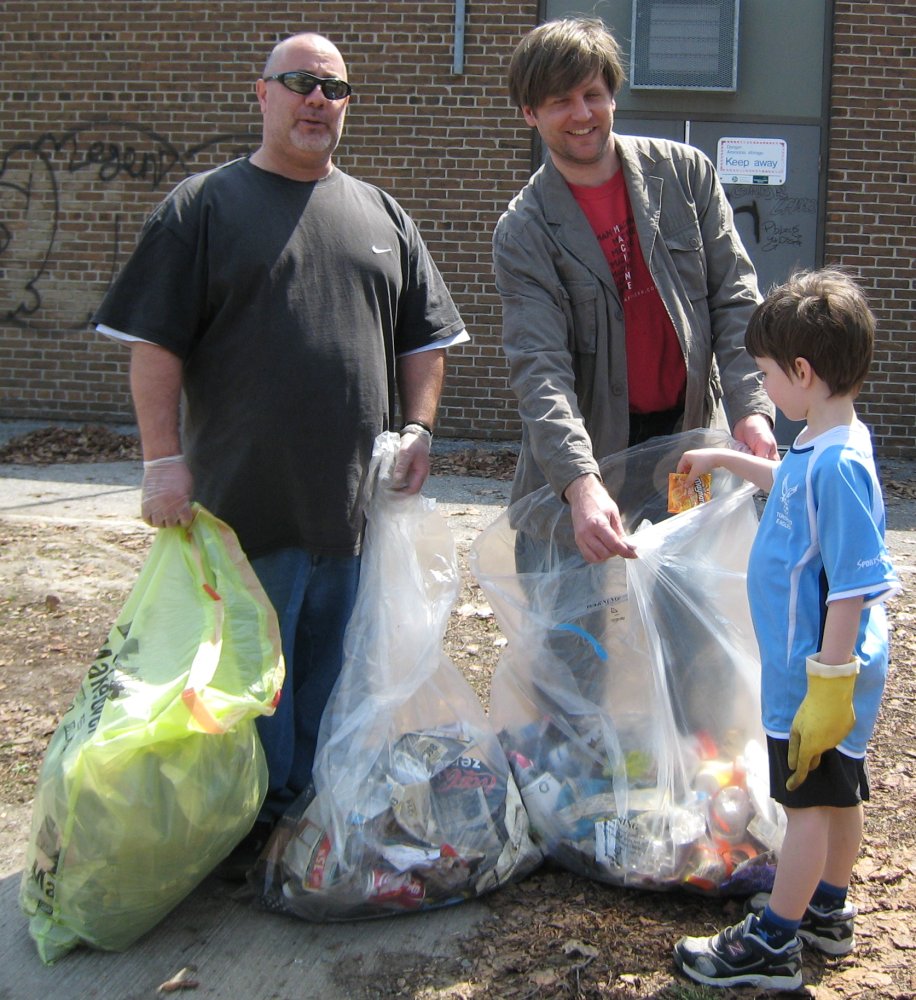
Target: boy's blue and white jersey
(821, 539)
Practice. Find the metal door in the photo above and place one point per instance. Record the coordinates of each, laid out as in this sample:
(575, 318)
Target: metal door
(778, 223)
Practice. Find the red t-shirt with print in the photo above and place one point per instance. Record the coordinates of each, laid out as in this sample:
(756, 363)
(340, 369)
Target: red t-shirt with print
(656, 371)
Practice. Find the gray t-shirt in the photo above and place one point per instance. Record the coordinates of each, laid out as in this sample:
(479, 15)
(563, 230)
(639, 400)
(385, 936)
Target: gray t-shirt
(287, 303)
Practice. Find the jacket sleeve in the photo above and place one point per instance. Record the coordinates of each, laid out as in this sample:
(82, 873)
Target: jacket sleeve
(537, 325)
(731, 296)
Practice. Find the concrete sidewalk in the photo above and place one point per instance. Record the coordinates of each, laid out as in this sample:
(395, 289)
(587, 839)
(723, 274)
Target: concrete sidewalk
(240, 951)
(109, 492)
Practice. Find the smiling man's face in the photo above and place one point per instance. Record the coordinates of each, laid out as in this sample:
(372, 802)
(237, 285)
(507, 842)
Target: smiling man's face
(576, 128)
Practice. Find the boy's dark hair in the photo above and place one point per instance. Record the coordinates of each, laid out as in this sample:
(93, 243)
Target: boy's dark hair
(562, 54)
(822, 316)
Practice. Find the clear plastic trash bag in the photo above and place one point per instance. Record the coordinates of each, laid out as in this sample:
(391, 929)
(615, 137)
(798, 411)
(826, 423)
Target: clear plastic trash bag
(414, 805)
(627, 698)
(156, 771)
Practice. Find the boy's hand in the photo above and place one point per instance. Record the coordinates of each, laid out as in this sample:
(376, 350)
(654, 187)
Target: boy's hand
(823, 719)
(699, 461)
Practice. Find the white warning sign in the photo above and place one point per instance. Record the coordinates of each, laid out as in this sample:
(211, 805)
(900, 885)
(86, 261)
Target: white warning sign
(752, 161)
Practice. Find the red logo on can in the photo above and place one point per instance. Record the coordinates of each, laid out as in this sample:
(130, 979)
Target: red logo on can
(317, 868)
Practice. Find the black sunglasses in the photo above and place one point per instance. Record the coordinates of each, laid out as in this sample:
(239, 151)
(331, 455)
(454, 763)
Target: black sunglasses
(300, 82)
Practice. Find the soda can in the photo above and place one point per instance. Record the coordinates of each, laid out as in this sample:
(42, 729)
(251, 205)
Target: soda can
(318, 870)
(399, 888)
(466, 774)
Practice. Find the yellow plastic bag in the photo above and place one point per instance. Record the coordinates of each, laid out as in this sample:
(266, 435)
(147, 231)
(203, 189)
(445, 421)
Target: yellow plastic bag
(156, 771)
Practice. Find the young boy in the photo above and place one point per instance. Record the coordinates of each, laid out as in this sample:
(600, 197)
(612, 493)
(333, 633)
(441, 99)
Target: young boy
(817, 576)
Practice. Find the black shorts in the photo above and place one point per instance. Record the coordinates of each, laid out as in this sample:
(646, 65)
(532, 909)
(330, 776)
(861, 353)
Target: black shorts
(838, 780)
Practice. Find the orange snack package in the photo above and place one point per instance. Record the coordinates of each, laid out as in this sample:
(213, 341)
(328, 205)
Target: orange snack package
(684, 492)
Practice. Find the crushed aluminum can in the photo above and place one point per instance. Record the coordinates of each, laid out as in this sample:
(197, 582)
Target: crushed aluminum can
(465, 774)
(398, 888)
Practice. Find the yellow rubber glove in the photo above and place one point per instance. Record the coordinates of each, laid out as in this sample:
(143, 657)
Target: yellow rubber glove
(824, 718)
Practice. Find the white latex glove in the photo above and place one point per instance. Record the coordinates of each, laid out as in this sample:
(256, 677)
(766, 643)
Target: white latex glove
(412, 466)
(167, 487)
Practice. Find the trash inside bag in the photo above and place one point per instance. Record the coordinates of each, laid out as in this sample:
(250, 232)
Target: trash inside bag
(627, 698)
(414, 805)
(155, 772)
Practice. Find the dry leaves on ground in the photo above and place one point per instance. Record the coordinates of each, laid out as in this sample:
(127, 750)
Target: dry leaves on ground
(90, 443)
(98, 443)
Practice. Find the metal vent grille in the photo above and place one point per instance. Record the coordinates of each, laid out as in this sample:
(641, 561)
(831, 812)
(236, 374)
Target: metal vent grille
(685, 45)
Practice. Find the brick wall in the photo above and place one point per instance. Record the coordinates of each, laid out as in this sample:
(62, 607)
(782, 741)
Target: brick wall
(871, 196)
(108, 104)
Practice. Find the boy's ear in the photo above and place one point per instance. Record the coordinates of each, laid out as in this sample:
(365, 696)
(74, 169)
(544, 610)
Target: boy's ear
(802, 371)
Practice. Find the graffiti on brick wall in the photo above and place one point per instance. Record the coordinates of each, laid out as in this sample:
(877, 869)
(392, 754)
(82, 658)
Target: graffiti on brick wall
(61, 212)
(772, 212)
(778, 225)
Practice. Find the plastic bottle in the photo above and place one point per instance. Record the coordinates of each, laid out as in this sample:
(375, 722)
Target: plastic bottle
(730, 810)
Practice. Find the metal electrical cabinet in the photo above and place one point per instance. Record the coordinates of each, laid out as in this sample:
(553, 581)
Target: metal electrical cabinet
(776, 99)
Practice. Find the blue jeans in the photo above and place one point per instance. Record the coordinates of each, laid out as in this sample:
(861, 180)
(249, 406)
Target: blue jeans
(313, 597)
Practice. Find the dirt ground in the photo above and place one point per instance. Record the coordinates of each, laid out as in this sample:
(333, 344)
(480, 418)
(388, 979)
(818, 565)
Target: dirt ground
(557, 935)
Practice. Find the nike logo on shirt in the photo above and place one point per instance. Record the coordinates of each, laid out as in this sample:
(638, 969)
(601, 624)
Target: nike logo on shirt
(376, 249)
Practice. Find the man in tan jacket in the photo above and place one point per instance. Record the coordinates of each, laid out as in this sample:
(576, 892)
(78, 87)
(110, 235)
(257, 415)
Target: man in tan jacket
(625, 288)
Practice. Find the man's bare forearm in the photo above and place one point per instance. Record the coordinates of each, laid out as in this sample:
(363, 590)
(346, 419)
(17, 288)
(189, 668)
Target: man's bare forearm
(155, 383)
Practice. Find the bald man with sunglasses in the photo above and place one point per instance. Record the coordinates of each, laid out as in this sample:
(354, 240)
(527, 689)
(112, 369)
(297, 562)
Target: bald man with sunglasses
(275, 308)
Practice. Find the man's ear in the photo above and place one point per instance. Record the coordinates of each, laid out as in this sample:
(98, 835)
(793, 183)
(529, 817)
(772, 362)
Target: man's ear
(260, 89)
(530, 116)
